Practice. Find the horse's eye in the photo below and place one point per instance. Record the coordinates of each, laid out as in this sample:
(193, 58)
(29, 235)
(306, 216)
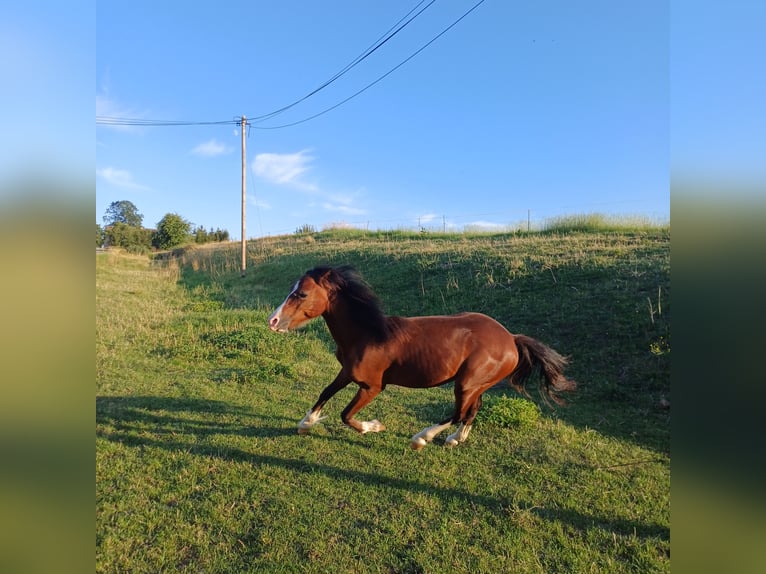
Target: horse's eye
(300, 295)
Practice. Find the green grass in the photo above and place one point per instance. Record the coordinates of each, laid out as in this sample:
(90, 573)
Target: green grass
(598, 222)
(199, 467)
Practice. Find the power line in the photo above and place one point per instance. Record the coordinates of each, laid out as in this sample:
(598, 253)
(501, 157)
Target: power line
(371, 84)
(360, 58)
(118, 121)
(115, 121)
(385, 37)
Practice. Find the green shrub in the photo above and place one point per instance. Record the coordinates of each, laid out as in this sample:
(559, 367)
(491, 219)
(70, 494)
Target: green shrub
(305, 228)
(172, 230)
(131, 238)
(509, 412)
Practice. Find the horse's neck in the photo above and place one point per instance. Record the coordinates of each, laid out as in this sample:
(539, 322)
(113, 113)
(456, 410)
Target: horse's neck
(344, 328)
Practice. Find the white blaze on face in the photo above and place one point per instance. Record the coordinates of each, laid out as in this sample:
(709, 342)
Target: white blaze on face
(276, 316)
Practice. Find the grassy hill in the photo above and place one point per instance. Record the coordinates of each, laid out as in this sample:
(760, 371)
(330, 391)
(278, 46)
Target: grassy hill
(200, 468)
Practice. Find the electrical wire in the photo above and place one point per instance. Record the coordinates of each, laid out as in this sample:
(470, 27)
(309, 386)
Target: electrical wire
(390, 33)
(385, 37)
(115, 121)
(371, 84)
(118, 121)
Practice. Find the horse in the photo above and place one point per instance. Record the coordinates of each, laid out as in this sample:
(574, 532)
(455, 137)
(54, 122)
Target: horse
(376, 350)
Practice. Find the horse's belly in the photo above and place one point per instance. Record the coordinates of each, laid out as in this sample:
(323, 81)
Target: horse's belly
(412, 376)
(427, 366)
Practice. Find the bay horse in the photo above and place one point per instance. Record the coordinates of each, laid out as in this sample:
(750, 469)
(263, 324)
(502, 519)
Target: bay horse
(375, 350)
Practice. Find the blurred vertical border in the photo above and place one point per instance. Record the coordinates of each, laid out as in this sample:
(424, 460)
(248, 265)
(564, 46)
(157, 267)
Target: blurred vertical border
(47, 286)
(718, 213)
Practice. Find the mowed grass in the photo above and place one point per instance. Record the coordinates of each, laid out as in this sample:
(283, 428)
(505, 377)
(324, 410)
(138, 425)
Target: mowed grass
(199, 467)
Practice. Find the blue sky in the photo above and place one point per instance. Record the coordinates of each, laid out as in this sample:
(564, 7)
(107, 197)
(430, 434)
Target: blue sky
(553, 107)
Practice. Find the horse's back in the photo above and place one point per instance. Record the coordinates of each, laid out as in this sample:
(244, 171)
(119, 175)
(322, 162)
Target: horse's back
(478, 324)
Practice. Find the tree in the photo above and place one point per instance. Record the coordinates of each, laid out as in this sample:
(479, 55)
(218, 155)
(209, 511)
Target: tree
(200, 235)
(172, 230)
(203, 236)
(99, 236)
(221, 234)
(123, 212)
(133, 239)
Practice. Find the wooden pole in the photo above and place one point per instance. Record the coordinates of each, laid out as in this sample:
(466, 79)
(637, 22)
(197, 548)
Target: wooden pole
(244, 196)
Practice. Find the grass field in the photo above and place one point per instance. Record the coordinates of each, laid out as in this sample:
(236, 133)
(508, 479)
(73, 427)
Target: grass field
(199, 467)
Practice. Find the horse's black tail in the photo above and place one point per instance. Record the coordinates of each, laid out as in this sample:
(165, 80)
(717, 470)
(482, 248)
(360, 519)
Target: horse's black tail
(534, 355)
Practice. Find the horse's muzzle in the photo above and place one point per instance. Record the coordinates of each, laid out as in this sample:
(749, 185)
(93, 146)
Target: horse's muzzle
(274, 324)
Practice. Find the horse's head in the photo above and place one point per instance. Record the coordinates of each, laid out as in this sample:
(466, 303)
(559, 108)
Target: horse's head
(308, 299)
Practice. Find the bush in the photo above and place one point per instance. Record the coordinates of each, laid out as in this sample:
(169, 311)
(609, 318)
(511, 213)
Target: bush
(132, 239)
(172, 230)
(305, 228)
(509, 412)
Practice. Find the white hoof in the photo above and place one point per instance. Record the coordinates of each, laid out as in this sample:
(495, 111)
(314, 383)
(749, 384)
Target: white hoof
(461, 435)
(309, 421)
(417, 442)
(372, 426)
(427, 435)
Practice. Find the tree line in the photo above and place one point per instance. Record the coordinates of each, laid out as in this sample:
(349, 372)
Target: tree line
(123, 227)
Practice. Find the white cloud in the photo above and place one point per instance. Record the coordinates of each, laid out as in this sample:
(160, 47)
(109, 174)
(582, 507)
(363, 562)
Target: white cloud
(119, 178)
(427, 218)
(486, 225)
(345, 198)
(211, 148)
(285, 169)
(345, 209)
(107, 107)
(290, 170)
(258, 203)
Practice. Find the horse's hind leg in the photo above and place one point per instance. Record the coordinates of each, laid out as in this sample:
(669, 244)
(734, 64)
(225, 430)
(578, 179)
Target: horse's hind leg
(428, 434)
(461, 434)
(425, 436)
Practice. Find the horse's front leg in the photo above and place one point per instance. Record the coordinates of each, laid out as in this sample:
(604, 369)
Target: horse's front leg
(313, 415)
(360, 400)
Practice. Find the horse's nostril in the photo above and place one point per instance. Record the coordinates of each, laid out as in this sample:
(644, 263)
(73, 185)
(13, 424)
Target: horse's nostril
(273, 322)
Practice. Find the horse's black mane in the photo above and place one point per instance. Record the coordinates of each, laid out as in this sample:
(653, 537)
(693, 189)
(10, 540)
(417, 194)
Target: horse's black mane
(348, 285)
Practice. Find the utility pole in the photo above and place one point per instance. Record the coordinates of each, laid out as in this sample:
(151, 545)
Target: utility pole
(244, 196)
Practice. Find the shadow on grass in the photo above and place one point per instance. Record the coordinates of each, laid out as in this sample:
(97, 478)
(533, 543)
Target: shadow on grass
(155, 422)
(159, 415)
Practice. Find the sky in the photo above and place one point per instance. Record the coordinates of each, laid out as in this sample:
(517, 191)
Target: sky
(521, 109)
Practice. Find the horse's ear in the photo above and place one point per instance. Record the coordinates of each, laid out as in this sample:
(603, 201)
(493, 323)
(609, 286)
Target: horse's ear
(328, 278)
